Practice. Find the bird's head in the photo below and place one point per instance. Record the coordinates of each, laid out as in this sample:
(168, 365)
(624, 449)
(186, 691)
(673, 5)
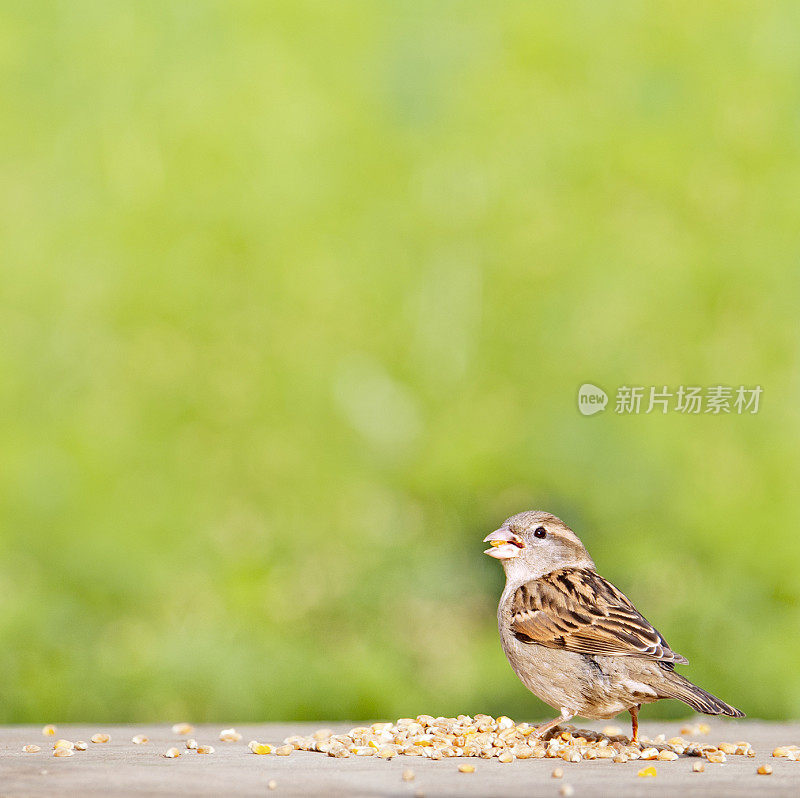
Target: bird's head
(534, 543)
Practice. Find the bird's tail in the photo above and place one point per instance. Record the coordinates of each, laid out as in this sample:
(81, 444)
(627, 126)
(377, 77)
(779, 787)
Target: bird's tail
(677, 686)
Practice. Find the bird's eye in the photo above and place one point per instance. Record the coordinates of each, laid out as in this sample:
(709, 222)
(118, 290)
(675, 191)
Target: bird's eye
(540, 532)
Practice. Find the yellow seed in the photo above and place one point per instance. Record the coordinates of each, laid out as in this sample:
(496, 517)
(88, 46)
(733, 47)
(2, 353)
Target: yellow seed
(667, 756)
(676, 741)
(63, 744)
(698, 767)
(650, 753)
(765, 770)
(620, 759)
(260, 748)
(557, 773)
(322, 734)
(647, 772)
(727, 748)
(715, 756)
(612, 731)
(205, 749)
(81, 745)
(703, 728)
(100, 737)
(781, 751)
(172, 753)
(466, 768)
(387, 753)
(191, 744)
(272, 784)
(182, 728)
(230, 736)
(506, 757)
(49, 731)
(140, 739)
(408, 775)
(31, 749)
(61, 751)
(567, 790)
(285, 750)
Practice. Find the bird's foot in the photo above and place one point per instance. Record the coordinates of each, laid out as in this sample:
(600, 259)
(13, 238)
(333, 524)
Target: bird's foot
(542, 729)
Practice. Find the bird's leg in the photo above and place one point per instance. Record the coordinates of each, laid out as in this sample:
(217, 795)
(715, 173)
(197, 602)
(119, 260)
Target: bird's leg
(565, 715)
(635, 723)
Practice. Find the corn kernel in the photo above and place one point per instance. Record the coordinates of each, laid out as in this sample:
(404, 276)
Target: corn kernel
(140, 739)
(272, 784)
(260, 748)
(61, 751)
(676, 741)
(81, 745)
(765, 770)
(648, 772)
(172, 753)
(466, 768)
(63, 744)
(230, 736)
(100, 737)
(408, 775)
(285, 750)
(182, 728)
(667, 756)
(205, 749)
(49, 731)
(31, 749)
(698, 767)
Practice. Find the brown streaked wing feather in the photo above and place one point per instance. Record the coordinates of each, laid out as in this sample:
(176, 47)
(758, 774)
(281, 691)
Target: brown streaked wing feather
(577, 610)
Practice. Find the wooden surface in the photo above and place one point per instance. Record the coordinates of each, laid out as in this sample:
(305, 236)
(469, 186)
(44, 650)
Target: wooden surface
(121, 768)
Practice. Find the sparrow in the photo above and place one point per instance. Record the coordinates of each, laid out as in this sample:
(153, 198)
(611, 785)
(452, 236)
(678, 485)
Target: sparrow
(575, 640)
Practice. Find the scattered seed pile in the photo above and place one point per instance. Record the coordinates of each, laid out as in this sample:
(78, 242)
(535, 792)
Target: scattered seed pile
(489, 738)
(480, 736)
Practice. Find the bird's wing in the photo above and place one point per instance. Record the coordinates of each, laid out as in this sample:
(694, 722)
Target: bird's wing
(577, 610)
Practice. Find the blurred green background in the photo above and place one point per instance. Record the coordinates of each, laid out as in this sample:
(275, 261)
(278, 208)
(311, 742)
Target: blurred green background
(295, 300)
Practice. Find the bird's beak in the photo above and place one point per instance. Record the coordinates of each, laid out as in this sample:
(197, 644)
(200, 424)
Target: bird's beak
(505, 545)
